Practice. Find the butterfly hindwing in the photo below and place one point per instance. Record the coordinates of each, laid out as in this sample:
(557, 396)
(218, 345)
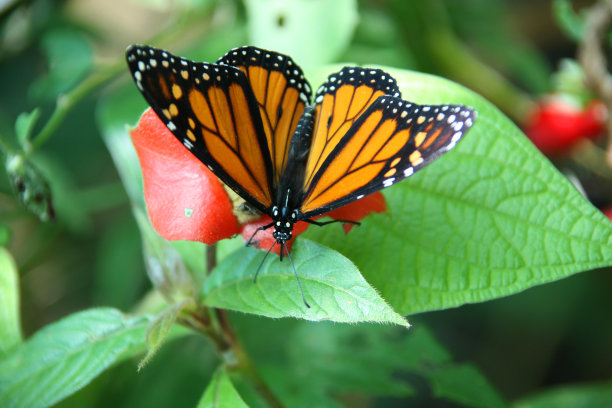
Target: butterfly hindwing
(211, 109)
(390, 141)
(281, 92)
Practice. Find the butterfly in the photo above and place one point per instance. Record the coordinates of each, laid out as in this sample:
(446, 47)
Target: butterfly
(250, 119)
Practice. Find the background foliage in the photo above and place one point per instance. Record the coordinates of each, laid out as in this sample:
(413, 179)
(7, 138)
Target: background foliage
(66, 98)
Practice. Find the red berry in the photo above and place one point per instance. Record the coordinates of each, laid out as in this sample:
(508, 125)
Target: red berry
(556, 126)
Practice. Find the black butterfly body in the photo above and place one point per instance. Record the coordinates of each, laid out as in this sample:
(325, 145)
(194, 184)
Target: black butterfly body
(249, 118)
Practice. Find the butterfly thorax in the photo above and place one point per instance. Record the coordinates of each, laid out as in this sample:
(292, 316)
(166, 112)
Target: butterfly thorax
(289, 191)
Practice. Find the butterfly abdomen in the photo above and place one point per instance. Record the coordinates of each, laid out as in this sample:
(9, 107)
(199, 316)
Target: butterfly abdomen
(289, 192)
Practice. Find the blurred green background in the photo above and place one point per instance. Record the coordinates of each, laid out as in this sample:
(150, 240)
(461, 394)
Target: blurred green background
(91, 254)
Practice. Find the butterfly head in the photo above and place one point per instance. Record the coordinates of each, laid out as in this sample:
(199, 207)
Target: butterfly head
(283, 223)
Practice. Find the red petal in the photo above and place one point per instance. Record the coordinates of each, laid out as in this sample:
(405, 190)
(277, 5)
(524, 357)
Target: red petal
(357, 210)
(184, 199)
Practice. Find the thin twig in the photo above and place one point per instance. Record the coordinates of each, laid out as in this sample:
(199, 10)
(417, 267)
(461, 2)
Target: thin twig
(592, 57)
(211, 258)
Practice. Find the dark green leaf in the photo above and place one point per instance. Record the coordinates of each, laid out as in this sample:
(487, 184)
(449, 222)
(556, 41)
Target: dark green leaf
(120, 276)
(69, 59)
(464, 384)
(66, 355)
(220, 393)
(332, 285)
(331, 358)
(10, 326)
(571, 396)
(5, 235)
(491, 218)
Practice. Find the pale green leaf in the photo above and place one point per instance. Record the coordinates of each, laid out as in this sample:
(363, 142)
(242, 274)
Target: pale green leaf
(220, 393)
(332, 285)
(302, 29)
(159, 329)
(66, 355)
(24, 125)
(571, 396)
(464, 384)
(10, 327)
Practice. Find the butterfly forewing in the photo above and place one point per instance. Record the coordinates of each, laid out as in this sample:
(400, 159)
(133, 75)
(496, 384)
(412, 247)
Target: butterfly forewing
(390, 141)
(211, 109)
(340, 101)
(281, 92)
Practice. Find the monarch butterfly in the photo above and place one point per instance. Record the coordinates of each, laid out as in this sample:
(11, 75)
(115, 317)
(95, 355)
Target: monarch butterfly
(249, 118)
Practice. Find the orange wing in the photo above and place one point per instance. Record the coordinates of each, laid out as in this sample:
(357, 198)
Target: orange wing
(389, 141)
(340, 101)
(281, 92)
(212, 110)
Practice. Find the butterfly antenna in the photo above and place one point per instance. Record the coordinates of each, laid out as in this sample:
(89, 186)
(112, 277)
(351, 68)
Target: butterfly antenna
(284, 248)
(262, 262)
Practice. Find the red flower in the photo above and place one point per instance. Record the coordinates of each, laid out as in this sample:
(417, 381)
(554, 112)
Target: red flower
(555, 126)
(186, 201)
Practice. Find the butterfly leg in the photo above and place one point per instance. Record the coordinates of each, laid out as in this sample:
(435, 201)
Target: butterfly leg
(265, 227)
(320, 224)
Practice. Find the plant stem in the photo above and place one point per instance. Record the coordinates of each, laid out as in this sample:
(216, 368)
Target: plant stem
(242, 359)
(211, 258)
(220, 331)
(67, 101)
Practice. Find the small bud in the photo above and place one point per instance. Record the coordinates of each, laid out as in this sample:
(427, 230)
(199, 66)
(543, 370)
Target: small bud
(30, 186)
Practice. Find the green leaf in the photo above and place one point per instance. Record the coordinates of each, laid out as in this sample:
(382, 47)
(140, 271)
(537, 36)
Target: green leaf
(466, 385)
(159, 329)
(572, 396)
(491, 218)
(332, 285)
(5, 235)
(568, 20)
(65, 356)
(331, 360)
(281, 26)
(69, 59)
(220, 393)
(24, 125)
(10, 327)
